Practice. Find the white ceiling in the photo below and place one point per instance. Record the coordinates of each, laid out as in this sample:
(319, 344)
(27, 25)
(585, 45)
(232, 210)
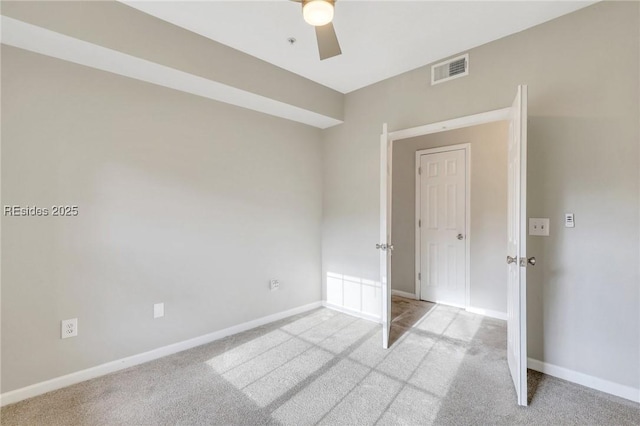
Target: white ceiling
(379, 39)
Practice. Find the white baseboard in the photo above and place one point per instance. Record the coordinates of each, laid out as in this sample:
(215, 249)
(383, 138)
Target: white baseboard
(403, 294)
(453, 305)
(626, 392)
(110, 367)
(352, 312)
(488, 313)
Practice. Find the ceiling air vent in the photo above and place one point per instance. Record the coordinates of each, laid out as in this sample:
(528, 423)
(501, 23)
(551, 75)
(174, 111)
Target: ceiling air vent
(450, 69)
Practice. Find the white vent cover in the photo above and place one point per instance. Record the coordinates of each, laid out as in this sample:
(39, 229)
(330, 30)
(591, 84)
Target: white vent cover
(450, 69)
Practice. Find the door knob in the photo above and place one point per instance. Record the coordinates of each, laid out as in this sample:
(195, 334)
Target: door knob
(381, 246)
(460, 236)
(511, 260)
(524, 261)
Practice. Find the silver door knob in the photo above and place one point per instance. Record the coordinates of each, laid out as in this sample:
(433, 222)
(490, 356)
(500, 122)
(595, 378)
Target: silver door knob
(530, 261)
(460, 236)
(511, 260)
(381, 246)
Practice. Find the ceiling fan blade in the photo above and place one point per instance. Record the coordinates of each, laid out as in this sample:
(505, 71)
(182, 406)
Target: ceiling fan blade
(328, 45)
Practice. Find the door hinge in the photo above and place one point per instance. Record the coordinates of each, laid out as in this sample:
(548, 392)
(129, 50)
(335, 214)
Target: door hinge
(419, 170)
(419, 276)
(419, 223)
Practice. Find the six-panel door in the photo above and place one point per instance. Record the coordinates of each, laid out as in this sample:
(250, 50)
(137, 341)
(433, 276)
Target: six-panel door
(443, 227)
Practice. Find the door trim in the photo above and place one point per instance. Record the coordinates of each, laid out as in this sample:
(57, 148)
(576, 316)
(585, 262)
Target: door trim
(386, 162)
(466, 147)
(455, 123)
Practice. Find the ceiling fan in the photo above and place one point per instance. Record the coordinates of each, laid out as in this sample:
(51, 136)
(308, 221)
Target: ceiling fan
(319, 13)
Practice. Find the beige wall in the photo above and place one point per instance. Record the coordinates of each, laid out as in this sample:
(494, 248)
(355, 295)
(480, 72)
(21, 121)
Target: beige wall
(182, 200)
(582, 71)
(488, 204)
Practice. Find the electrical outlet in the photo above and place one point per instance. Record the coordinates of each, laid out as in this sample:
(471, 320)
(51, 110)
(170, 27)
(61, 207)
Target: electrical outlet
(158, 310)
(69, 328)
(274, 285)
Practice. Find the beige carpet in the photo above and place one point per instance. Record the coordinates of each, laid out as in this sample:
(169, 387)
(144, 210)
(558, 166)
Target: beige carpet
(447, 366)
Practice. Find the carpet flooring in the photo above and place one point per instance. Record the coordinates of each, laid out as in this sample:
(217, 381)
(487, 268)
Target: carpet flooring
(446, 366)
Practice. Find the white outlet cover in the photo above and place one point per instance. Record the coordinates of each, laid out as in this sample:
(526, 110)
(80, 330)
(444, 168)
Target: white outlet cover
(69, 328)
(274, 285)
(158, 310)
(539, 226)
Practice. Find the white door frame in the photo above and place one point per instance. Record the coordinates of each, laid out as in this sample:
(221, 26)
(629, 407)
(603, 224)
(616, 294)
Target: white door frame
(455, 123)
(385, 193)
(466, 147)
(386, 170)
(427, 129)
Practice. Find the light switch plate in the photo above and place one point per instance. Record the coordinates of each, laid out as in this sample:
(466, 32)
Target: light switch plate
(539, 226)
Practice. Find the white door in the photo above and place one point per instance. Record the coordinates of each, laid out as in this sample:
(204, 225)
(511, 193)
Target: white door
(517, 246)
(385, 245)
(443, 227)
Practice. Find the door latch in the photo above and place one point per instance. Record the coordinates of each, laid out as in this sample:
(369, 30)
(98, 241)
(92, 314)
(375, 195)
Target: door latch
(524, 261)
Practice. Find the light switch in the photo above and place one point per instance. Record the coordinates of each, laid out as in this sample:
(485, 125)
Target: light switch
(569, 221)
(539, 226)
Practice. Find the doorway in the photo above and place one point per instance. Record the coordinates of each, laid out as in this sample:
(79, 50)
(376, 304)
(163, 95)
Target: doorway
(471, 246)
(516, 257)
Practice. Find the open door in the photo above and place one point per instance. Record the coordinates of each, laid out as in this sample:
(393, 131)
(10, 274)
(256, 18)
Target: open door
(385, 245)
(517, 246)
